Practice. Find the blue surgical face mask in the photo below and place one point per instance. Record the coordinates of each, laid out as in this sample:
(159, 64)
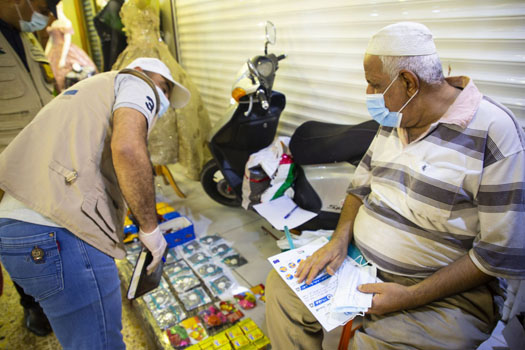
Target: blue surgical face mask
(380, 113)
(38, 20)
(164, 102)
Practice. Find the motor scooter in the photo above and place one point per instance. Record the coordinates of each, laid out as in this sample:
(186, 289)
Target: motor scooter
(326, 154)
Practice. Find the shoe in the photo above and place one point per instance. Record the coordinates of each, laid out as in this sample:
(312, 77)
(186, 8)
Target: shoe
(36, 321)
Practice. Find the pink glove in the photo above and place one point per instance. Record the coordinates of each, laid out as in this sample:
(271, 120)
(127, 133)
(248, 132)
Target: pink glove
(156, 244)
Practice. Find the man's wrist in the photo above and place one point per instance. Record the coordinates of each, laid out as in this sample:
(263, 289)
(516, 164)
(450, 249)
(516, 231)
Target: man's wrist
(148, 232)
(341, 237)
(416, 296)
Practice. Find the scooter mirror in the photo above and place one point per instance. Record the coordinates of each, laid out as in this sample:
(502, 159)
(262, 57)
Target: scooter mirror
(270, 33)
(271, 36)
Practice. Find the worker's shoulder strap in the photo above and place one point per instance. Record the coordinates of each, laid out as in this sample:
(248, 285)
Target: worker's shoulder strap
(146, 79)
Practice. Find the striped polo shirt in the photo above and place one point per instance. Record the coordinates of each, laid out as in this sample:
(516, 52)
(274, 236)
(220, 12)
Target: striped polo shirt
(459, 188)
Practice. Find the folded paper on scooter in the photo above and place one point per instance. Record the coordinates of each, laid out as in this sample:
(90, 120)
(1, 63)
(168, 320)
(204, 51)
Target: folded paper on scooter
(282, 212)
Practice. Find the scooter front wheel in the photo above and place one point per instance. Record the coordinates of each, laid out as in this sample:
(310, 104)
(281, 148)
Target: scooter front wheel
(216, 186)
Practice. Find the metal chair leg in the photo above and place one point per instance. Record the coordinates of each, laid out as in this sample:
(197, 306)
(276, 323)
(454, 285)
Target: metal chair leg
(166, 174)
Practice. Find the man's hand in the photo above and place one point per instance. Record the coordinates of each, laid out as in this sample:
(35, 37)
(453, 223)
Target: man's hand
(334, 252)
(330, 255)
(389, 297)
(455, 278)
(156, 244)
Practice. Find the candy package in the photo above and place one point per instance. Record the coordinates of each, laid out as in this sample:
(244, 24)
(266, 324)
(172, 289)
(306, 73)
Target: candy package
(230, 310)
(258, 290)
(195, 329)
(212, 317)
(246, 300)
(178, 337)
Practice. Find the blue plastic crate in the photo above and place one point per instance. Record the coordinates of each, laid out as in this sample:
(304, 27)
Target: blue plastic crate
(171, 215)
(177, 231)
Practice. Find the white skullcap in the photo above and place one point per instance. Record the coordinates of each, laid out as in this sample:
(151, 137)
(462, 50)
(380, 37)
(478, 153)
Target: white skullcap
(402, 39)
(179, 95)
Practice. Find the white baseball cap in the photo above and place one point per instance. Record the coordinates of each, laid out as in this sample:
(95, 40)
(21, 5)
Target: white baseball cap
(180, 96)
(402, 39)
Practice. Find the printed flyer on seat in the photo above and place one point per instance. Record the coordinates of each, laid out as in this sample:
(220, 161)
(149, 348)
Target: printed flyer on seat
(317, 296)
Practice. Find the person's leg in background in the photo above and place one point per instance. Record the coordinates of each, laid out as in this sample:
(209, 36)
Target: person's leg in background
(290, 324)
(77, 285)
(34, 317)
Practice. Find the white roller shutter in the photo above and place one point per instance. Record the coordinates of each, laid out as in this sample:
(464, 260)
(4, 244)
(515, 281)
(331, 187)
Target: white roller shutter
(323, 77)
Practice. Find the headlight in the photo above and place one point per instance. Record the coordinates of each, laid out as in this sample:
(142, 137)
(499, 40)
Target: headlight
(265, 68)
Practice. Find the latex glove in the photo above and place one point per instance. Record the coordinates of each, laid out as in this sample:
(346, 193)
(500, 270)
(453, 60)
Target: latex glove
(156, 244)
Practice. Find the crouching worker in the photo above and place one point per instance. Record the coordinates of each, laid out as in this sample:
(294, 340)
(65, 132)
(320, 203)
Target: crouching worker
(437, 204)
(67, 178)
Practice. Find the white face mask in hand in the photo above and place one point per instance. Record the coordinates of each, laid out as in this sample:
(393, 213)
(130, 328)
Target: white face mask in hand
(38, 20)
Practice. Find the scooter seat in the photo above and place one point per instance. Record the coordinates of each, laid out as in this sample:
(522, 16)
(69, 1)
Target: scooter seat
(315, 142)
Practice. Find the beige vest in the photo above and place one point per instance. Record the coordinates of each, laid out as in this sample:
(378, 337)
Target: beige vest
(60, 165)
(22, 93)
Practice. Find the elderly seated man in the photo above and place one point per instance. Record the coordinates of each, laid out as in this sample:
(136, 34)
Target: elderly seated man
(437, 204)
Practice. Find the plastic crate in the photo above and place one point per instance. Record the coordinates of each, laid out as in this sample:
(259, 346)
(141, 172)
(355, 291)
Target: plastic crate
(177, 231)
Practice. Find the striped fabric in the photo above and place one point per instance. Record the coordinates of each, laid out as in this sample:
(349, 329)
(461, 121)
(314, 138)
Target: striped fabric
(455, 190)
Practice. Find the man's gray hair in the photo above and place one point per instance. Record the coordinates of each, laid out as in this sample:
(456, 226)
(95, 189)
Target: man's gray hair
(427, 68)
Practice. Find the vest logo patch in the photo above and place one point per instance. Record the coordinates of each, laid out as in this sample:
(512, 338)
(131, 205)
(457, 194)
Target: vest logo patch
(70, 92)
(150, 104)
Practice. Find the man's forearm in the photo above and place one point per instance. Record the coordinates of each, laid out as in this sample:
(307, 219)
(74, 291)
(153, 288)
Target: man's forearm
(133, 167)
(457, 277)
(332, 254)
(345, 225)
(135, 177)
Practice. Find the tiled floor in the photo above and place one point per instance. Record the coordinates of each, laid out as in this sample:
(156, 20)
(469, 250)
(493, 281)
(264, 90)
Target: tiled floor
(236, 225)
(240, 227)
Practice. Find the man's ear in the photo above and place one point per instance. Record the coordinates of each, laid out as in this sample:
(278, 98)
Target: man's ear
(410, 80)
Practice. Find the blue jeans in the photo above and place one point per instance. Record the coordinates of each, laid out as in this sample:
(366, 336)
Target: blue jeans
(77, 285)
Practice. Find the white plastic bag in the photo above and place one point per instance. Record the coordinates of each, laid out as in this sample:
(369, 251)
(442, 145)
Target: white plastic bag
(269, 173)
